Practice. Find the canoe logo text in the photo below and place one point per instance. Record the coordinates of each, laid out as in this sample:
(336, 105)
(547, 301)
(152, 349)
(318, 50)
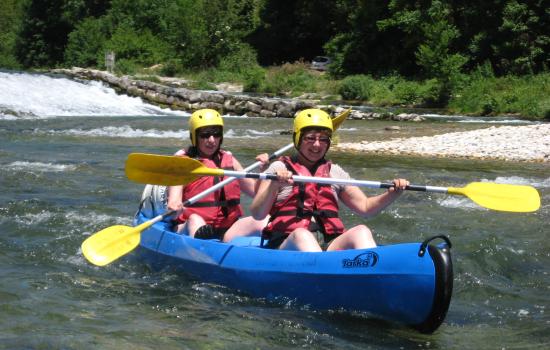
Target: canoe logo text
(368, 259)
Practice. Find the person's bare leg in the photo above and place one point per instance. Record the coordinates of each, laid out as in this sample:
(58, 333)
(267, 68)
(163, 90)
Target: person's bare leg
(301, 239)
(246, 226)
(194, 222)
(358, 237)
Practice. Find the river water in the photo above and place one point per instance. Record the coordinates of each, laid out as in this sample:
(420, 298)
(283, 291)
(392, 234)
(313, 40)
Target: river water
(62, 150)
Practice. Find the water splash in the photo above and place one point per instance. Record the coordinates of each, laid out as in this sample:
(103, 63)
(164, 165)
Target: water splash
(125, 131)
(249, 134)
(518, 180)
(40, 167)
(459, 203)
(38, 96)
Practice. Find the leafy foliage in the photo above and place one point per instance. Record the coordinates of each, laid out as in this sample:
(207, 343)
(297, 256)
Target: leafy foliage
(391, 90)
(417, 52)
(10, 16)
(485, 95)
(141, 47)
(356, 87)
(413, 38)
(86, 43)
(289, 80)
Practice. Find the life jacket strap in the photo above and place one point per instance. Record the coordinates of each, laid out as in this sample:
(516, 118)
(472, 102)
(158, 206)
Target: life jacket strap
(306, 213)
(223, 203)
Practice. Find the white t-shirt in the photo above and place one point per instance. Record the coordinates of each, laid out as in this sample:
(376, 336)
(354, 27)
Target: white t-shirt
(284, 192)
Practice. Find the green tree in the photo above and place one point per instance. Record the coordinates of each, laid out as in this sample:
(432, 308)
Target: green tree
(364, 46)
(10, 18)
(218, 32)
(291, 30)
(189, 33)
(478, 23)
(86, 44)
(46, 26)
(525, 44)
(43, 35)
(143, 48)
(434, 55)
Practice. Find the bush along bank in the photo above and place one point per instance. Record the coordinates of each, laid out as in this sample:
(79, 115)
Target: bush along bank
(480, 93)
(190, 100)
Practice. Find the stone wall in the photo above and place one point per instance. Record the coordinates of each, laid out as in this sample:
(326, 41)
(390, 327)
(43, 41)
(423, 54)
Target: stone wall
(191, 100)
(188, 100)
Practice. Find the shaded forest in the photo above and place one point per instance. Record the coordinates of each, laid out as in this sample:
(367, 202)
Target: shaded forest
(420, 40)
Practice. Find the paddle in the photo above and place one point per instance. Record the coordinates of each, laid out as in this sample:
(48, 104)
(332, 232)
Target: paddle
(113, 242)
(168, 170)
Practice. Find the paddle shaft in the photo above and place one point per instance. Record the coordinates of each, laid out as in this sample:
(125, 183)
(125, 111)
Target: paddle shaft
(231, 179)
(157, 219)
(333, 181)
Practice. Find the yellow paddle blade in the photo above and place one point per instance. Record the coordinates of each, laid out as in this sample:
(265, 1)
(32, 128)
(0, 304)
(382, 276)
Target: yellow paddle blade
(339, 119)
(165, 170)
(110, 244)
(515, 198)
(113, 242)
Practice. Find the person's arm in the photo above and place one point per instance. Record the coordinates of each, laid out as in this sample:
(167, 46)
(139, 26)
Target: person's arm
(355, 199)
(268, 190)
(250, 186)
(174, 198)
(175, 193)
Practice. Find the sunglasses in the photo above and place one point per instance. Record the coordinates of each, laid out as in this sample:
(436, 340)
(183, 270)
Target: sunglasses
(207, 134)
(324, 140)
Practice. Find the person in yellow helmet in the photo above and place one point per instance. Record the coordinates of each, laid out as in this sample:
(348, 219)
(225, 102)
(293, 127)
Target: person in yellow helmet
(218, 214)
(300, 210)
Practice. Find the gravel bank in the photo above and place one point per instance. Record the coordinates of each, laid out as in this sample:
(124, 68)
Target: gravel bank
(511, 143)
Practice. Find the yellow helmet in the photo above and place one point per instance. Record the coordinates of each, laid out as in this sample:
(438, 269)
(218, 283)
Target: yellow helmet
(200, 119)
(310, 118)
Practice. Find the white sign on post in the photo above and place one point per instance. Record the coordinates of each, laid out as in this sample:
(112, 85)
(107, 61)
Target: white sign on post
(110, 61)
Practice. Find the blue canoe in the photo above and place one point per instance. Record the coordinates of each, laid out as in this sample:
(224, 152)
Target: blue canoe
(409, 283)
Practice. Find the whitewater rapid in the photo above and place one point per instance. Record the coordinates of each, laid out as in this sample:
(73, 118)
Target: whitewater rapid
(39, 96)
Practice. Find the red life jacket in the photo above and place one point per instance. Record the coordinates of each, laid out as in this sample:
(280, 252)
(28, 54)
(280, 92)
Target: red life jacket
(307, 200)
(220, 208)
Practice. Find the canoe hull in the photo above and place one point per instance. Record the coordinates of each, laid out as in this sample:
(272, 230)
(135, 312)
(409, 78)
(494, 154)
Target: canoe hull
(390, 282)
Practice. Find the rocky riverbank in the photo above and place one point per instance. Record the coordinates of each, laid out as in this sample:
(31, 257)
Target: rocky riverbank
(168, 94)
(511, 143)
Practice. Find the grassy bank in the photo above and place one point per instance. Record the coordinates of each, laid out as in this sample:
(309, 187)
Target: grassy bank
(476, 94)
(527, 96)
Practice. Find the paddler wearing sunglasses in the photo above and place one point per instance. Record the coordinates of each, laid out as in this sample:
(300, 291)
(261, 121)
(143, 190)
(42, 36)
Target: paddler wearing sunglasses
(219, 214)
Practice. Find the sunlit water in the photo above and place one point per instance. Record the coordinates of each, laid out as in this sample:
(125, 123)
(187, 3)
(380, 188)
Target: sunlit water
(62, 151)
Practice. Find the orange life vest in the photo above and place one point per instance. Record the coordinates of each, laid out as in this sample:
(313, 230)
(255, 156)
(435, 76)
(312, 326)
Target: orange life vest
(220, 208)
(307, 200)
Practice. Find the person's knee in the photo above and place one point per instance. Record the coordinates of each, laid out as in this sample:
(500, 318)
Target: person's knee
(360, 236)
(301, 235)
(366, 236)
(195, 219)
(363, 229)
(302, 239)
(260, 224)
